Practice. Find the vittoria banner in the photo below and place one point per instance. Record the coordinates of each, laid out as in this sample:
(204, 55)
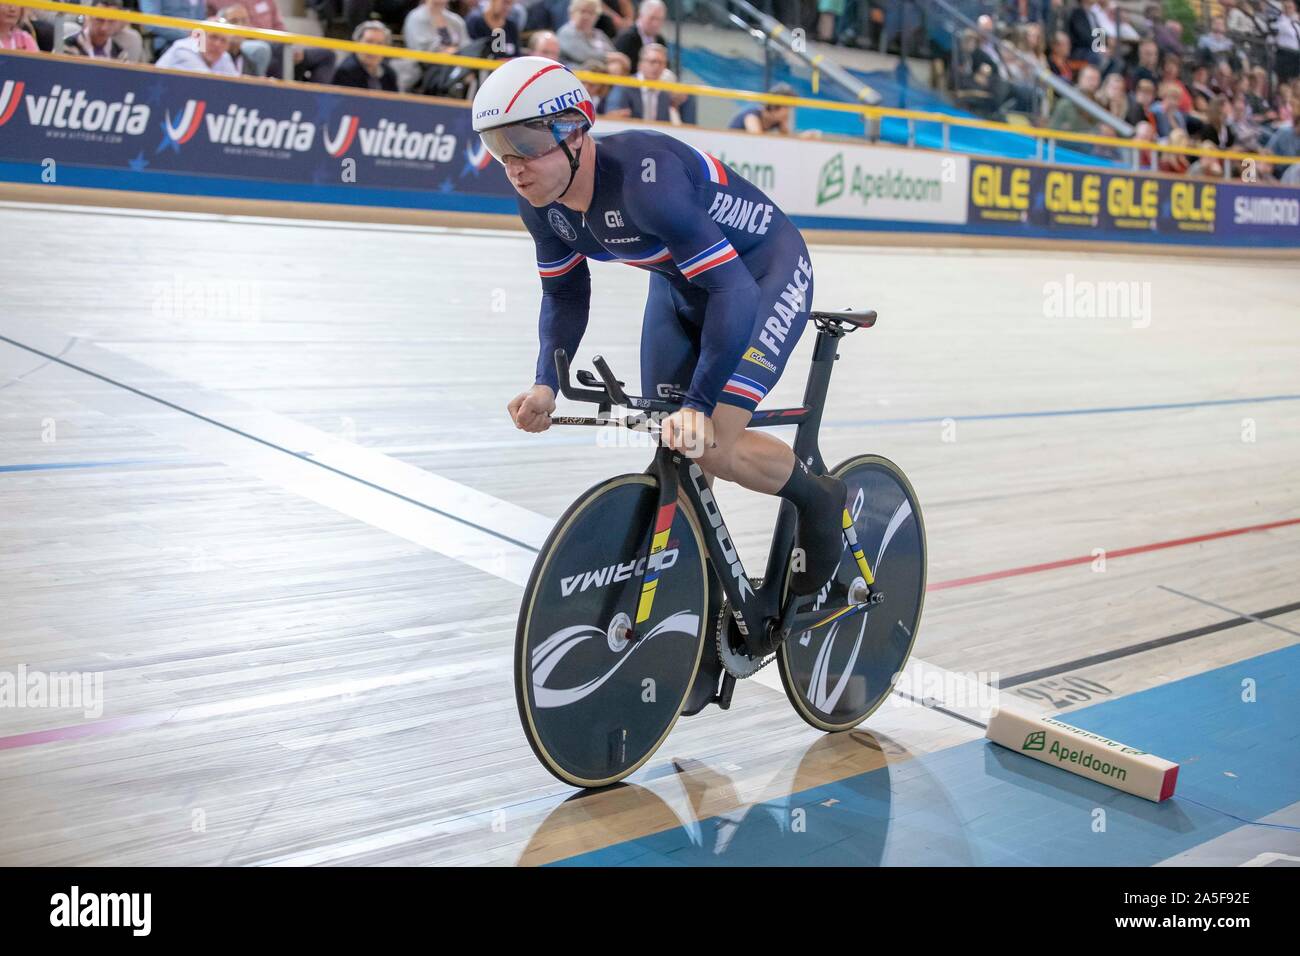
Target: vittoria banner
(79, 123)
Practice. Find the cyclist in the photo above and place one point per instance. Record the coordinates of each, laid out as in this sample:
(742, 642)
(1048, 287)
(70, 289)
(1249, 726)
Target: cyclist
(730, 282)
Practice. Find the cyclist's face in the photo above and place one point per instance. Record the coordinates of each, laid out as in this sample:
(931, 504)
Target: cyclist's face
(541, 179)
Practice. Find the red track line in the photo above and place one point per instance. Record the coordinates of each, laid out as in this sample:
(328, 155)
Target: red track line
(1120, 553)
(111, 725)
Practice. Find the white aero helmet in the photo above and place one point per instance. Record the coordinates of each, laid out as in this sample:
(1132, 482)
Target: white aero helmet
(529, 106)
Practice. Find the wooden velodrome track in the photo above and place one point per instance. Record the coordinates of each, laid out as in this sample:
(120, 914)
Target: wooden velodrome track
(288, 521)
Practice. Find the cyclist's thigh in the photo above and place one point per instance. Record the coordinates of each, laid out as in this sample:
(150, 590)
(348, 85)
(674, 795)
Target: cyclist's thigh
(670, 346)
(785, 298)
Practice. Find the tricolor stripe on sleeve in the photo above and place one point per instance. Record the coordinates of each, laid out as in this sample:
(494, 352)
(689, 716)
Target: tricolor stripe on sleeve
(559, 267)
(712, 257)
(660, 255)
(713, 169)
(745, 388)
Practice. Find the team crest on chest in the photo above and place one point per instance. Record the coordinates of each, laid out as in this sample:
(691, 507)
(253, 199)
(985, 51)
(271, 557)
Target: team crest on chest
(561, 225)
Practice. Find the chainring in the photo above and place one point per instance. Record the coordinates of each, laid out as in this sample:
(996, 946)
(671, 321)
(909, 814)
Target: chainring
(729, 640)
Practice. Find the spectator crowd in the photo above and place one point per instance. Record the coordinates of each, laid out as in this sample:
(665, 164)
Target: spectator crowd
(608, 37)
(1233, 85)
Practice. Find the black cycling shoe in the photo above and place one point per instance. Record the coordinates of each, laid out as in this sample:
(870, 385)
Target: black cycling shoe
(820, 535)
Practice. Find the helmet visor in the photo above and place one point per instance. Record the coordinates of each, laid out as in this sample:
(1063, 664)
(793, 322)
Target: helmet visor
(531, 138)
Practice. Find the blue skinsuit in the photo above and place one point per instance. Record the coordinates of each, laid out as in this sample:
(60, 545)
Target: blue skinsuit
(730, 277)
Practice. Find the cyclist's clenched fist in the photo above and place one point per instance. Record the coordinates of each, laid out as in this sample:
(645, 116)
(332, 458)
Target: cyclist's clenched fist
(531, 410)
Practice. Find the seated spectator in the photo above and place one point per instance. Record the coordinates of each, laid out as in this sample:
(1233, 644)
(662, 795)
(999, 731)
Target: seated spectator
(545, 43)
(1148, 64)
(1199, 87)
(1176, 163)
(642, 102)
(616, 17)
(1107, 18)
(1169, 38)
(1113, 98)
(1140, 109)
(1144, 132)
(1216, 45)
(251, 57)
(579, 38)
(203, 51)
(1223, 82)
(615, 65)
(618, 64)
(1079, 27)
(1240, 18)
(599, 92)
(493, 20)
(185, 9)
(12, 36)
(1171, 72)
(1207, 167)
(1168, 112)
(1257, 97)
(1068, 116)
(97, 37)
(546, 15)
(770, 117)
(1106, 59)
(368, 71)
(1216, 127)
(433, 28)
(1058, 61)
(647, 29)
(1286, 34)
(1285, 141)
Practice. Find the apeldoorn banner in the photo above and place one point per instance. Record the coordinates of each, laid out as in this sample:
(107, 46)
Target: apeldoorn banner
(75, 123)
(831, 185)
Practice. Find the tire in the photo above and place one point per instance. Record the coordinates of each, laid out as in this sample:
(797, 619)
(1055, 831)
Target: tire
(836, 676)
(586, 702)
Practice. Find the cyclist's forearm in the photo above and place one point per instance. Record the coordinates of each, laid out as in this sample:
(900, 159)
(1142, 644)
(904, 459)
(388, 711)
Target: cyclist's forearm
(561, 326)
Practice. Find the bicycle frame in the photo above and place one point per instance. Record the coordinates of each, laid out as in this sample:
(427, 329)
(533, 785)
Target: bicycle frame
(752, 607)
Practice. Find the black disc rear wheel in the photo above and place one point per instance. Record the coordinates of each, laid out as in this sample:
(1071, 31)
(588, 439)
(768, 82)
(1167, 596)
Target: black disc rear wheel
(838, 674)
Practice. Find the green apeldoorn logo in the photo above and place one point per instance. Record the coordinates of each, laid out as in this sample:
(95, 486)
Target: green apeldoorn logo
(830, 181)
(1035, 741)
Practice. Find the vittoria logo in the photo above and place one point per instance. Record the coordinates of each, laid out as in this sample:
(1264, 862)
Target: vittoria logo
(241, 126)
(391, 140)
(341, 141)
(477, 154)
(182, 130)
(63, 108)
(11, 94)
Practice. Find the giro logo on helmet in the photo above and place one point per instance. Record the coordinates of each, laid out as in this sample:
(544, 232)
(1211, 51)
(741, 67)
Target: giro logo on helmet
(565, 101)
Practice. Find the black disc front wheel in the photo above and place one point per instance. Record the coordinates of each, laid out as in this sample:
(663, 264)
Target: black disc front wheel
(595, 704)
(837, 674)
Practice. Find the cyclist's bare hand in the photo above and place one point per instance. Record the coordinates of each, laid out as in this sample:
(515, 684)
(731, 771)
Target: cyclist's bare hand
(531, 410)
(689, 431)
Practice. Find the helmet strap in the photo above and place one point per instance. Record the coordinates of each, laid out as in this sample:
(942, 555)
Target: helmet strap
(574, 160)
